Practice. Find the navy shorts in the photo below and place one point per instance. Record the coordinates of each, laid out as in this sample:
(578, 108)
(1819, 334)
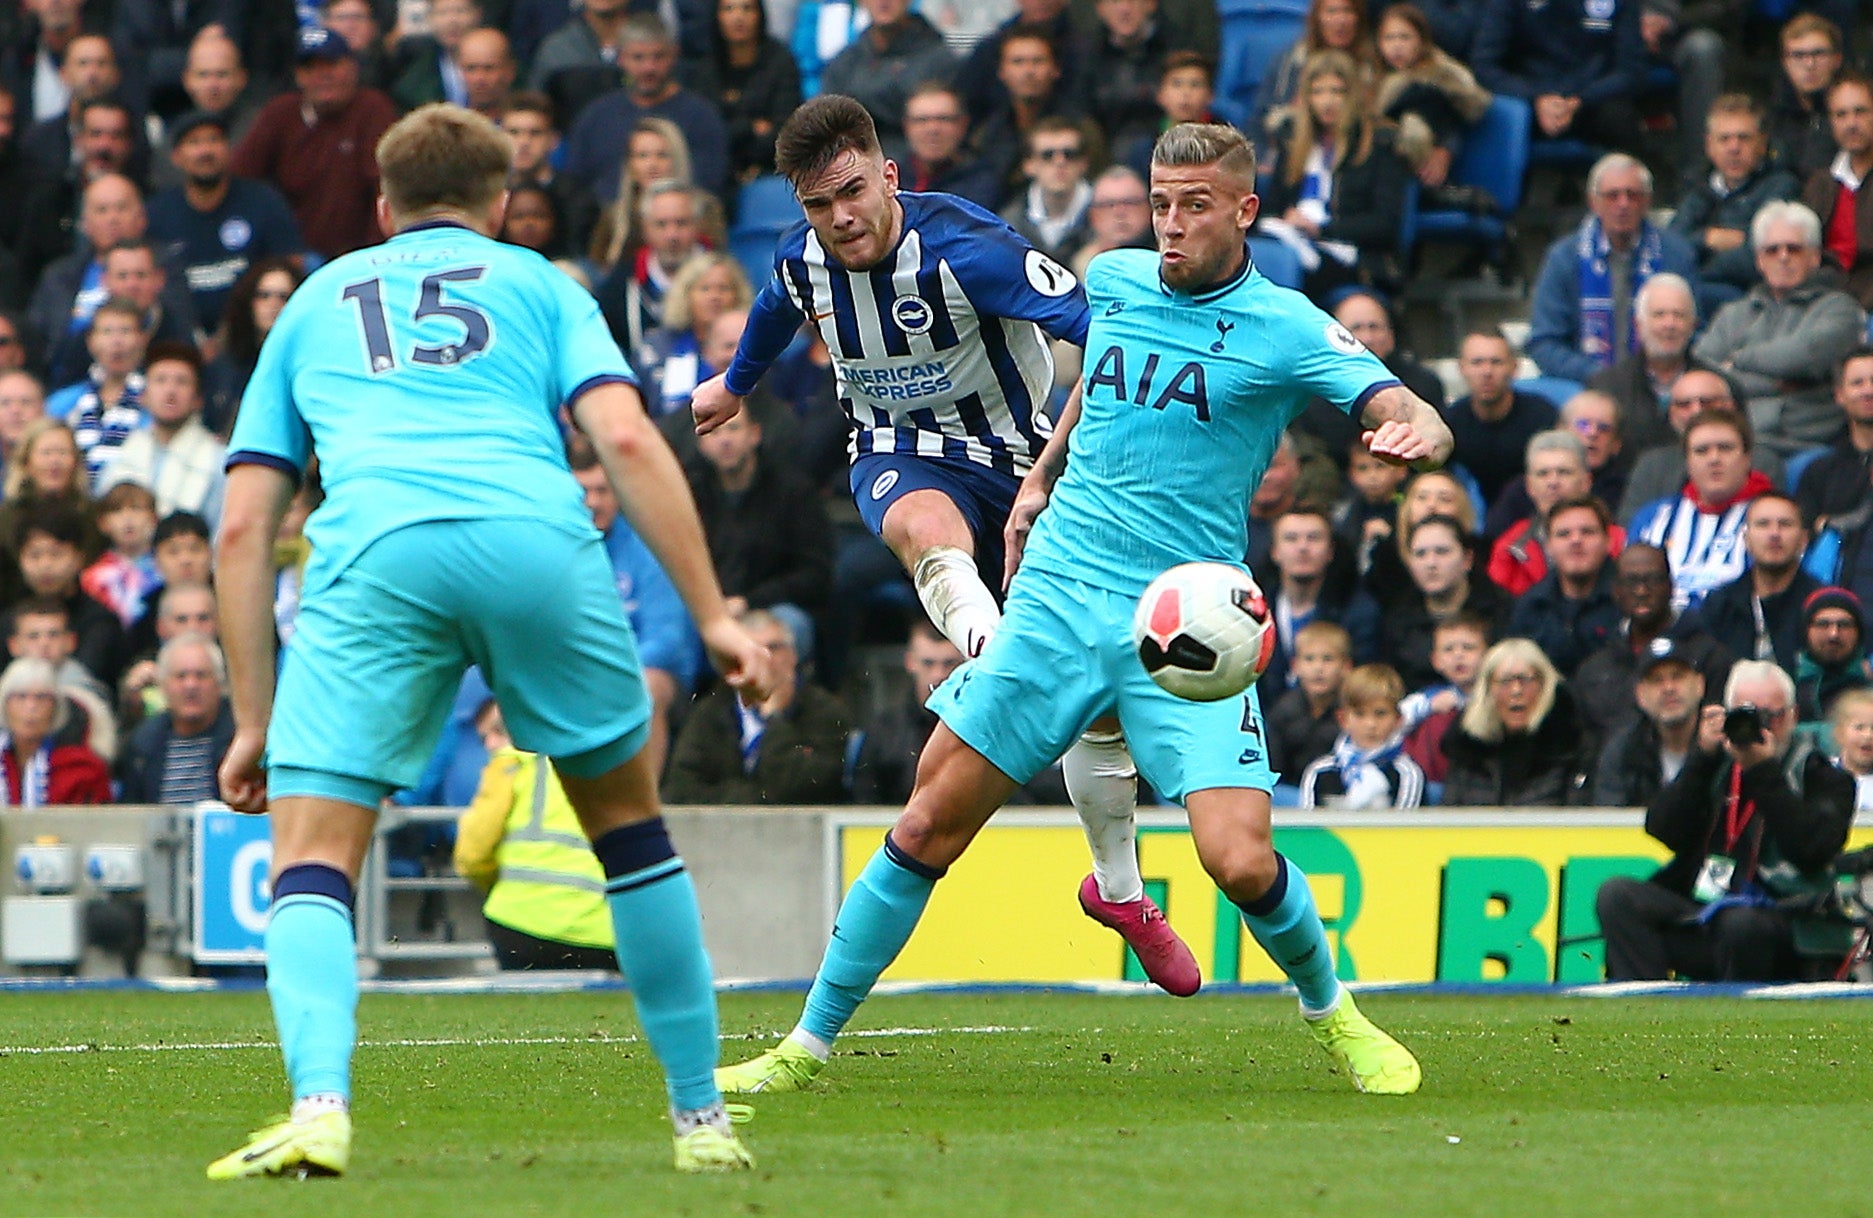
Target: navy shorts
(981, 494)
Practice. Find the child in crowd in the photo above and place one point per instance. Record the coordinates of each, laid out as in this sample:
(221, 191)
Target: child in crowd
(1369, 513)
(1186, 89)
(1457, 647)
(1301, 723)
(122, 579)
(1852, 721)
(1368, 767)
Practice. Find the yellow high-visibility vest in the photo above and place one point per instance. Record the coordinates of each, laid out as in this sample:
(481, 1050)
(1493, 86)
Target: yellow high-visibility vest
(549, 885)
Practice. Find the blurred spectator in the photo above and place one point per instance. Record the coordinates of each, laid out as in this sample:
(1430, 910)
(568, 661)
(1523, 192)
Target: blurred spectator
(979, 77)
(894, 737)
(154, 38)
(107, 406)
(1186, 91)
(22, 403)
(1494, 422)
(881, 67)
(1660, 471)
(1701, 528)
(1119, 217)
(213, 226)
(215, 82)
(632, 295)
(529, 123)
(1556, 471)
(176, 456)
(50, 538)
(580, 60)
(668, 647)
(1758, 615)
(521, 843)
(49, 237)
(253, 306)
(1664, 316)
(1439, 561)
(597, 141)
(935, 127)
(488, 69)
(1593, 419)
(356, 22)
(41, 628)
(1799, 131)
(1118, 69)
(1518, 742)
(18, 177)
(1682, 47)
(1433, 493)
(1782, 340)
(1272, 497)
(1368, 767)
(318, 145)
(90, 73)
(1852, 726)
(72, 288)
(172, 758)
(1833, 193)
(670, 363)
(1301, 558)
(39, 771)
(32, 67)
(1648, 753)
(1433, 99)
(789, 749)
(1032, 87)
(1581, 314)
(1337, 183)
(1335, 433)
(1839, 480)
(179, 607)
(655, 152)
(429, 65)
(1714, 215)
(45, 470)
(1570, 613)
(532, 221)
(1746, 823)
(768, 533)
(132, 272)
(1833, 655)
(1332, 25)
(1603, 684)
(1365, 518)
(124, 576)
(1300, 723)
(1051, 212)
(1579, 63)
(1457, 646)
(752, 79)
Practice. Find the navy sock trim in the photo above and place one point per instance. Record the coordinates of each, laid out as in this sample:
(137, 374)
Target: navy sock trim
(897, 855)
(632, 883)
(316, 880)
(632, 848)
(1271, 900)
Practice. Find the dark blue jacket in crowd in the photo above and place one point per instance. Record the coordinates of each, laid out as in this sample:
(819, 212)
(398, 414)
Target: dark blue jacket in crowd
(596, 145)
(1554, 310)
(1567, 630)
(1590, 49)
(214, 249)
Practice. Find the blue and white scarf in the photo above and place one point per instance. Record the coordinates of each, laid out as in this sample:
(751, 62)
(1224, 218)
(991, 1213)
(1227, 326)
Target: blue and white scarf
(101, 430)
(37, 780)
(1596, 287)
(1362, 771)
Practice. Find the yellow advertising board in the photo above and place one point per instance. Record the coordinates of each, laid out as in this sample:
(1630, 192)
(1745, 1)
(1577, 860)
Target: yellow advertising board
(1425, 896)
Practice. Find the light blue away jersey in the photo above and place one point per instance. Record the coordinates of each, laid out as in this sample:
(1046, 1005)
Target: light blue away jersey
(427, 374)
(1185, 400)
(941, 349)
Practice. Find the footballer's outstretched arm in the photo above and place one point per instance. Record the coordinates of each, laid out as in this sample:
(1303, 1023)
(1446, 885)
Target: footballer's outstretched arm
(1406, 429)
(1037, 486)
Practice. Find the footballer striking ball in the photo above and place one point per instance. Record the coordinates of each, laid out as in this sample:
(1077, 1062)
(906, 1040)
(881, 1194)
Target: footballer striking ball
(1203, 631)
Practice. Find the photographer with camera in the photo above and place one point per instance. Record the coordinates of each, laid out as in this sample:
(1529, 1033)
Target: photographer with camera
(1753, 820)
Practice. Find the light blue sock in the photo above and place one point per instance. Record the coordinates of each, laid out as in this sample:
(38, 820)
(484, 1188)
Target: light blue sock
(660, 949)
(1286, 924)
(312, 978)
(875, 922)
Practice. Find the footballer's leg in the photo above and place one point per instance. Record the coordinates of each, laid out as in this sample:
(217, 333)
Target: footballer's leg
(934, 541)
(319, 843)
(1230, 828)
(957, 791)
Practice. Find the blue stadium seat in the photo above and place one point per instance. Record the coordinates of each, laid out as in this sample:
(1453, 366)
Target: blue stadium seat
(1797, 465)
(1494, 158)
(1552, 388)
(1564, 154)
(1255, 33)
(766, 204)
(1276, 262)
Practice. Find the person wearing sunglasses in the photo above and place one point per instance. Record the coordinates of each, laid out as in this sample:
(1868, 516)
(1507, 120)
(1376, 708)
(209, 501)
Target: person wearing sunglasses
(1781, 341)
(1051, 213)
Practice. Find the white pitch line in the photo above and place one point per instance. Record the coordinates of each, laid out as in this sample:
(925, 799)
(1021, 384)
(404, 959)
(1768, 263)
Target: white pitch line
(443, 1042)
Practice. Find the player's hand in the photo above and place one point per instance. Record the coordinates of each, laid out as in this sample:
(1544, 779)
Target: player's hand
(1029, 501)
(243, 781)
(1399, 443)
(712, 404)
(741, 661)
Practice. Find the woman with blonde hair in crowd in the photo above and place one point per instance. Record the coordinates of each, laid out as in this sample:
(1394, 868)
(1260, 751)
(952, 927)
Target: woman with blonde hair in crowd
(1432, 493)
(46, 468)
(1519, 742)
(655, 152)
(670, 363)
(1431, 96)
(1332, 25)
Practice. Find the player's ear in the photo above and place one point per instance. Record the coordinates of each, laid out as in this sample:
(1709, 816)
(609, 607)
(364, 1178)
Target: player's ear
(384, 223)
(890, 176)
(1251, 207)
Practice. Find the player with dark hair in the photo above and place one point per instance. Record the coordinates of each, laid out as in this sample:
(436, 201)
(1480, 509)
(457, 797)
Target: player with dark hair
(938, 315)
(1195, 364)
(429, 374)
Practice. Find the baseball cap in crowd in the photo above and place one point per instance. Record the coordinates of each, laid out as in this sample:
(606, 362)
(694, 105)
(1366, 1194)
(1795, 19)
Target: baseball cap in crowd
(320, 42)
(1664, 650)
(193, 119)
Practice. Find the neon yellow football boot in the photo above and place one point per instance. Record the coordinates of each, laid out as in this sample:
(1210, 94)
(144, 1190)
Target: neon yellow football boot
(785, 1067)
(320, 1146)
(1377, 1064)
(706, 1148)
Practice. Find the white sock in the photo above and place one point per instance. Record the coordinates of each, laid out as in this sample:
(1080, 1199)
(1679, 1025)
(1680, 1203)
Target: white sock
(1103, 784)
(315, 1105)
(960, 605)
(696, 1118)
(811, 1043)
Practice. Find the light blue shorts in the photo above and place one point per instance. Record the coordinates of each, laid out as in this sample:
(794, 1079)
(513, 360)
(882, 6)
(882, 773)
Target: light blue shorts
(1062, 657)
(377, 655)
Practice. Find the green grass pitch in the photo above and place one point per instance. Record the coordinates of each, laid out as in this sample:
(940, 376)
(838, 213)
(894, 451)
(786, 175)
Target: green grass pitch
(1051, 1104)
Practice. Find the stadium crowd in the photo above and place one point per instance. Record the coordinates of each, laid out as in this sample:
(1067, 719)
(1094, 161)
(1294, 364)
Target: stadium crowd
(1688, 484)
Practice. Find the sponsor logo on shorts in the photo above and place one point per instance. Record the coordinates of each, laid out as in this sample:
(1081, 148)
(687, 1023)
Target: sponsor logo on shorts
(913, 314)
(882, 485)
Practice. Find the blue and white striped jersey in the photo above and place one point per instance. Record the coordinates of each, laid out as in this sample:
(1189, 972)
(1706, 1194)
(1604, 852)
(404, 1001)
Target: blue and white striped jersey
(941, 349)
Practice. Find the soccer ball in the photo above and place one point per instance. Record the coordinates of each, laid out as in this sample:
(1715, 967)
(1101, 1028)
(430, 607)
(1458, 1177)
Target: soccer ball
(1203, 631)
